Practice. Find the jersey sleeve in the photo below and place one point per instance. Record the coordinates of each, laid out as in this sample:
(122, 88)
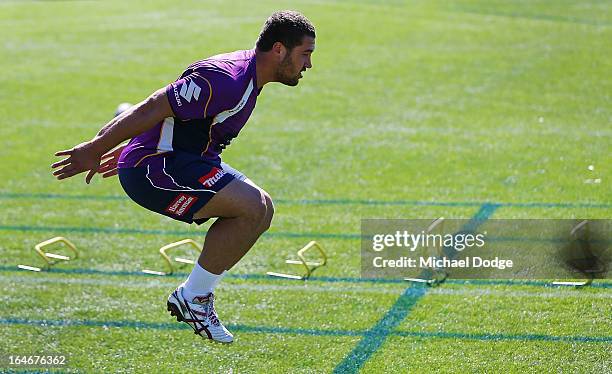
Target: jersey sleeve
(197, 95)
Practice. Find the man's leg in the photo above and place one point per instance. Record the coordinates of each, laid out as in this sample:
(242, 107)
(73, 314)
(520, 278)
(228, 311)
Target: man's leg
(244, 212)
(243, 216)
(167, 187)
(269, 204)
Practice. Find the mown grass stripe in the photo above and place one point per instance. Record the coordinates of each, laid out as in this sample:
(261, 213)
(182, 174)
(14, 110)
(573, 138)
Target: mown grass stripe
(533, 17)
(339, 236)
(45, 196)
(49, 196)
(175, 326)
(377, 335)
(306, 331)
(500, 337)
(129, 231)
(25, 280)
(125, 273)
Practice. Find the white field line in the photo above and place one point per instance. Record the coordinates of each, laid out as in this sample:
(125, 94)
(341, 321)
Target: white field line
(13, 281)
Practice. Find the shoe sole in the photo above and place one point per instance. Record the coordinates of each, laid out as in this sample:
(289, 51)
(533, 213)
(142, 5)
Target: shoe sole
(175, 312)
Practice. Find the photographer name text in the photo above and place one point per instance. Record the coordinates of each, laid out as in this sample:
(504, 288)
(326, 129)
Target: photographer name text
(435, 262)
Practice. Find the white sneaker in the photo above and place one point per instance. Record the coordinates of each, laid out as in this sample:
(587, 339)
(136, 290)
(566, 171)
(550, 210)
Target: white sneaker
(200, 314)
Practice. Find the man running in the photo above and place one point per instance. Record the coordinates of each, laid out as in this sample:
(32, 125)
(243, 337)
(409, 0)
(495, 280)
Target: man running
(172, 163)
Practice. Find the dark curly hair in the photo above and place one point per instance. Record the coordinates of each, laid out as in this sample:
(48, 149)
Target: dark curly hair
(286, 26)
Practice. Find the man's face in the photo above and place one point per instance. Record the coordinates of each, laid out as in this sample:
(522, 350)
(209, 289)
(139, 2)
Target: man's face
(295, 62)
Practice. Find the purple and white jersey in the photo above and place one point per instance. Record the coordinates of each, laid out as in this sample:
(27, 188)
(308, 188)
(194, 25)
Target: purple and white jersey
(212, 101)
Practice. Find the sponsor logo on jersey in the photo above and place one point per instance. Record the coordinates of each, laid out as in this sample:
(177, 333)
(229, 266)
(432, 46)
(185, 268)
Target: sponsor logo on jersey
(181, 204)
(212, 177)
(176, 96)
(190, 91)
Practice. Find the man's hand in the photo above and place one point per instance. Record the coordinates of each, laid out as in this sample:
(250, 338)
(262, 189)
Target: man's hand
(108, 168)
(134, 121)
(82, 157)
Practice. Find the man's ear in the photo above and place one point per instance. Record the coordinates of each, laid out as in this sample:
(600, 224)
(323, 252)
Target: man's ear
(279, 50)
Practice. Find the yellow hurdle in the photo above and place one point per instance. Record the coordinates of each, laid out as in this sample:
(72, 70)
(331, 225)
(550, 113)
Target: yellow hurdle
(578, 231)
(309, 266)
(51, 258)
(163, 251)
(438, 275)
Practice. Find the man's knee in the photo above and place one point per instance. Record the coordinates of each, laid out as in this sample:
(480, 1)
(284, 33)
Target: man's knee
(267, 219)
(255, 209)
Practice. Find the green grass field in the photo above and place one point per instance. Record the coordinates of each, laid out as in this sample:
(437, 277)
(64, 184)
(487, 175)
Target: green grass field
(413, 109)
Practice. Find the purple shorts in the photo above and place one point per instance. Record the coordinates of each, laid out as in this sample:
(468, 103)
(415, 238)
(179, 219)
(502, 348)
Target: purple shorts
(176, 184)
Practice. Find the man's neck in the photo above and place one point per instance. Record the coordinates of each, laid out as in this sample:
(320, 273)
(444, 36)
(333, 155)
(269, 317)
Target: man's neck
(262, 67)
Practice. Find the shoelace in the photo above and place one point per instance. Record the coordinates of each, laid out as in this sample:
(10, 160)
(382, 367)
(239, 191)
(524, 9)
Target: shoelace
(209, 310)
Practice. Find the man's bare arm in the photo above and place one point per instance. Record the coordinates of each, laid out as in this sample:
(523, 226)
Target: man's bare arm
(134, 121)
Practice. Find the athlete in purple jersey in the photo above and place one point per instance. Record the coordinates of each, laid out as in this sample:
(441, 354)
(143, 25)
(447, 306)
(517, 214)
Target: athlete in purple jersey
(172, 163)
(211, 102)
